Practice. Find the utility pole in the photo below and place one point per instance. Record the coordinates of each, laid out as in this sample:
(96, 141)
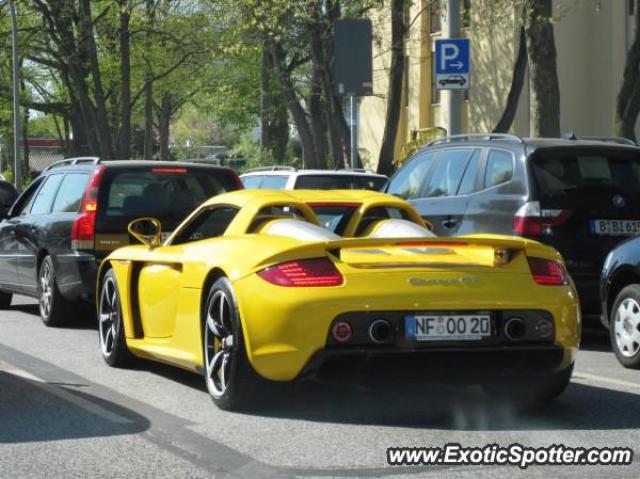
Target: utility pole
(17, 163)
(453, 98)
(354, 123)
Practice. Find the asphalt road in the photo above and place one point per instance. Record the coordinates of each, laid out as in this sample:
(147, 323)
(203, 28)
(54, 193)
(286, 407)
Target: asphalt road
(64, 413)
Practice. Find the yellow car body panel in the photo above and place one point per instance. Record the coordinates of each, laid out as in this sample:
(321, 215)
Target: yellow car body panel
(163, 289)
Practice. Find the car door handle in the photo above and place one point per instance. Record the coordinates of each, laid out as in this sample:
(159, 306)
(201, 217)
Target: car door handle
(450, 223)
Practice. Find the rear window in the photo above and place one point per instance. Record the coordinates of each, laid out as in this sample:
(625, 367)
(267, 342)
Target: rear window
(167, 194)
(335, 218)
(339, 182)
(251, 182)
(564, 173)
(274, 182)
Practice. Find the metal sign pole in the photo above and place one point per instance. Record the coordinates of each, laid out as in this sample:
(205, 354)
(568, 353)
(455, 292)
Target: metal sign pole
(17, 163)
(453, 97)
(354, 121)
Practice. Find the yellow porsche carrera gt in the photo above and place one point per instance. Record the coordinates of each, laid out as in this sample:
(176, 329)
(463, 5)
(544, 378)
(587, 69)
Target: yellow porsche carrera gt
(261, 286)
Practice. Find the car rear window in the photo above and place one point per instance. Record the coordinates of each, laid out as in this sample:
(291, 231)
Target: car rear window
(334, 217)
(339, 182)
(273, 182)
(566, 173)
(167, 194)
(251, 182)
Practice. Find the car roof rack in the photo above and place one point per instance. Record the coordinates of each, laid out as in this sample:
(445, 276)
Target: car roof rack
(271, 168)
(571, 135)
(477, 136)
(611, 139)
(357, 170)
(92, 160)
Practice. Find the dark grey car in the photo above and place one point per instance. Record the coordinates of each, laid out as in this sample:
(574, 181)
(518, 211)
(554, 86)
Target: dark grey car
(580, 196)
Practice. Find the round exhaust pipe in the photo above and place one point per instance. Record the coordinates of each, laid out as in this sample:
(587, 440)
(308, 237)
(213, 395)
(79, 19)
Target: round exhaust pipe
(515, 329)
(380, 331)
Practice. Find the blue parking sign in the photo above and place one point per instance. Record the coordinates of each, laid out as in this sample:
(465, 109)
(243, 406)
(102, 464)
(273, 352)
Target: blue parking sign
(452, 64)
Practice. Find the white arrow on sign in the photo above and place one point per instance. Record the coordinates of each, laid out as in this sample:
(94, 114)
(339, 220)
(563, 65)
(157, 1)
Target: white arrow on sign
(457, 65)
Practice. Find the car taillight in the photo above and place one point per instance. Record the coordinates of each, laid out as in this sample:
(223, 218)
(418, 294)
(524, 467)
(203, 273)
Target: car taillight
(175, 171)
(305, 272)
(84, 227)
(533, 221)
(548, 272)
(238, 182)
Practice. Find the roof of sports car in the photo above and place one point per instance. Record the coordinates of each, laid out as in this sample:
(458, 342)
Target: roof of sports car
(244, 197)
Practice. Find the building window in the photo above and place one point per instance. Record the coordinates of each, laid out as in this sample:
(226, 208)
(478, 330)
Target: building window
(435, 17)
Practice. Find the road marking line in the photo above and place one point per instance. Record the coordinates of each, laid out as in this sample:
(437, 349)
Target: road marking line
(604, 379)
(65, 395)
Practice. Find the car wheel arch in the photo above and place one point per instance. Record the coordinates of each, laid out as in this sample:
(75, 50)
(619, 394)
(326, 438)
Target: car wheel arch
(105, 266)
(620, 279)
(42, 254)
(214, 275)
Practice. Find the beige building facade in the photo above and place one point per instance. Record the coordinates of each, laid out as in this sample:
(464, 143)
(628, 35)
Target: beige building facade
(592, 38)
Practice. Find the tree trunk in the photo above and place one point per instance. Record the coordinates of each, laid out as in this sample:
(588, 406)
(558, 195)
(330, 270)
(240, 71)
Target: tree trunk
(74, 74)
(274, 121)
(322, 52)
(148, 89)
(164, 120)
(266, 103)
(628, 102)
(293, 103)
(124, 143)
(26, 170)
(394, 96)
(88, 39)
(543, 74)
(315, 107)
(279, 133)
(517, 82)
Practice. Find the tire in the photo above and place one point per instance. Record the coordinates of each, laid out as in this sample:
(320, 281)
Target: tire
(231, 381)
(54, 308)
(113, 344)
(529, 390)
(5, 300)
(624, 329)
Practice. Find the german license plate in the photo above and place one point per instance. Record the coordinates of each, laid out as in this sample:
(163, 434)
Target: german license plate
(615, 227)
(448, 327)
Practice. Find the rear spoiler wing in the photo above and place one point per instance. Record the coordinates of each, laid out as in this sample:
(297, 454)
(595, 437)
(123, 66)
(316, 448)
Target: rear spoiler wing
(504, 247)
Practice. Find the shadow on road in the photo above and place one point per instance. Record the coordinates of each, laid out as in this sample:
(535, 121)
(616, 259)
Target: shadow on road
(33, 411)
(581, 407)
(80, 317)
(596, 341)
(434, 406)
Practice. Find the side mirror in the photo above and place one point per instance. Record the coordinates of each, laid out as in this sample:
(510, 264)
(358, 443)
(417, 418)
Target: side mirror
(146, 230)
